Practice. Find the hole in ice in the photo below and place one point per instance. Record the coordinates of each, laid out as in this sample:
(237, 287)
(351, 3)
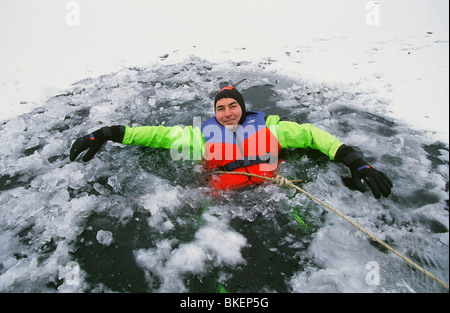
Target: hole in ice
(148, 208)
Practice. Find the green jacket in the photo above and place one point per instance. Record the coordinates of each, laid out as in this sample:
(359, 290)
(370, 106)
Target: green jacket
(190, 142)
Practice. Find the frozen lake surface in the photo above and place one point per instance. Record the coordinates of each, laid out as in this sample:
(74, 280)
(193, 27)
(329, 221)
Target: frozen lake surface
(135, 220)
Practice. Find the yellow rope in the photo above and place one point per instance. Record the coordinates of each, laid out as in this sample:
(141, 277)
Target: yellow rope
(282, 181)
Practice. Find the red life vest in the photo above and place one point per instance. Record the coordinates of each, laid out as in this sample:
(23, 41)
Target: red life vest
(251, 148)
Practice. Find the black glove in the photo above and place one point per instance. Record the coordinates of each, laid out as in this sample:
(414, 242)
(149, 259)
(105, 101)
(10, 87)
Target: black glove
(378, 182)
(95, 140)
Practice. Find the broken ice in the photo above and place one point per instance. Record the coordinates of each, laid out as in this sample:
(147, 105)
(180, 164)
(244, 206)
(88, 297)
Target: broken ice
(104, 237)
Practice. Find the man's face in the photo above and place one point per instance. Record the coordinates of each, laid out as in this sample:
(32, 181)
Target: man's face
(228, 112)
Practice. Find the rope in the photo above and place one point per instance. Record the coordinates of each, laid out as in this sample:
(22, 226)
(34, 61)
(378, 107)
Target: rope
(282, 181)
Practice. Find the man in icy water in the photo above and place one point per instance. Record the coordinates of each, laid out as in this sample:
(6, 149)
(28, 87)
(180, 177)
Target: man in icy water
(239, 141)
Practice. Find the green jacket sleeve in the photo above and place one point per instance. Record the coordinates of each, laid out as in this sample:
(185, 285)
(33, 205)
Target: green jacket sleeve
(294, 135)
(182, 139)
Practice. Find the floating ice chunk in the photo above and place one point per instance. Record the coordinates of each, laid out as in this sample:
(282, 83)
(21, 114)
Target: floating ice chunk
(61, 197)
(14, 125)
(102, 112)
(32, 162)
(289, 103)
(113, 181)
(33, 142)
(104, 237)
(169, 264)
(152, 102)
(76, 180)
(19, 273)
(168, 225)
(165, 197)
(225, 244)
(252, 216)
(327, 280)
(54, 147)
(100, 189)
(187, 258)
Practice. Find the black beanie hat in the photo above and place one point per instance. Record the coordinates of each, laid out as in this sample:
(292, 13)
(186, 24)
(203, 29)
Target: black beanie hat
(231, 92)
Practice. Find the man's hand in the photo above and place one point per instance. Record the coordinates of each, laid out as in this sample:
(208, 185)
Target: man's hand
(362, 172)
(94, 141)
(378, 182)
